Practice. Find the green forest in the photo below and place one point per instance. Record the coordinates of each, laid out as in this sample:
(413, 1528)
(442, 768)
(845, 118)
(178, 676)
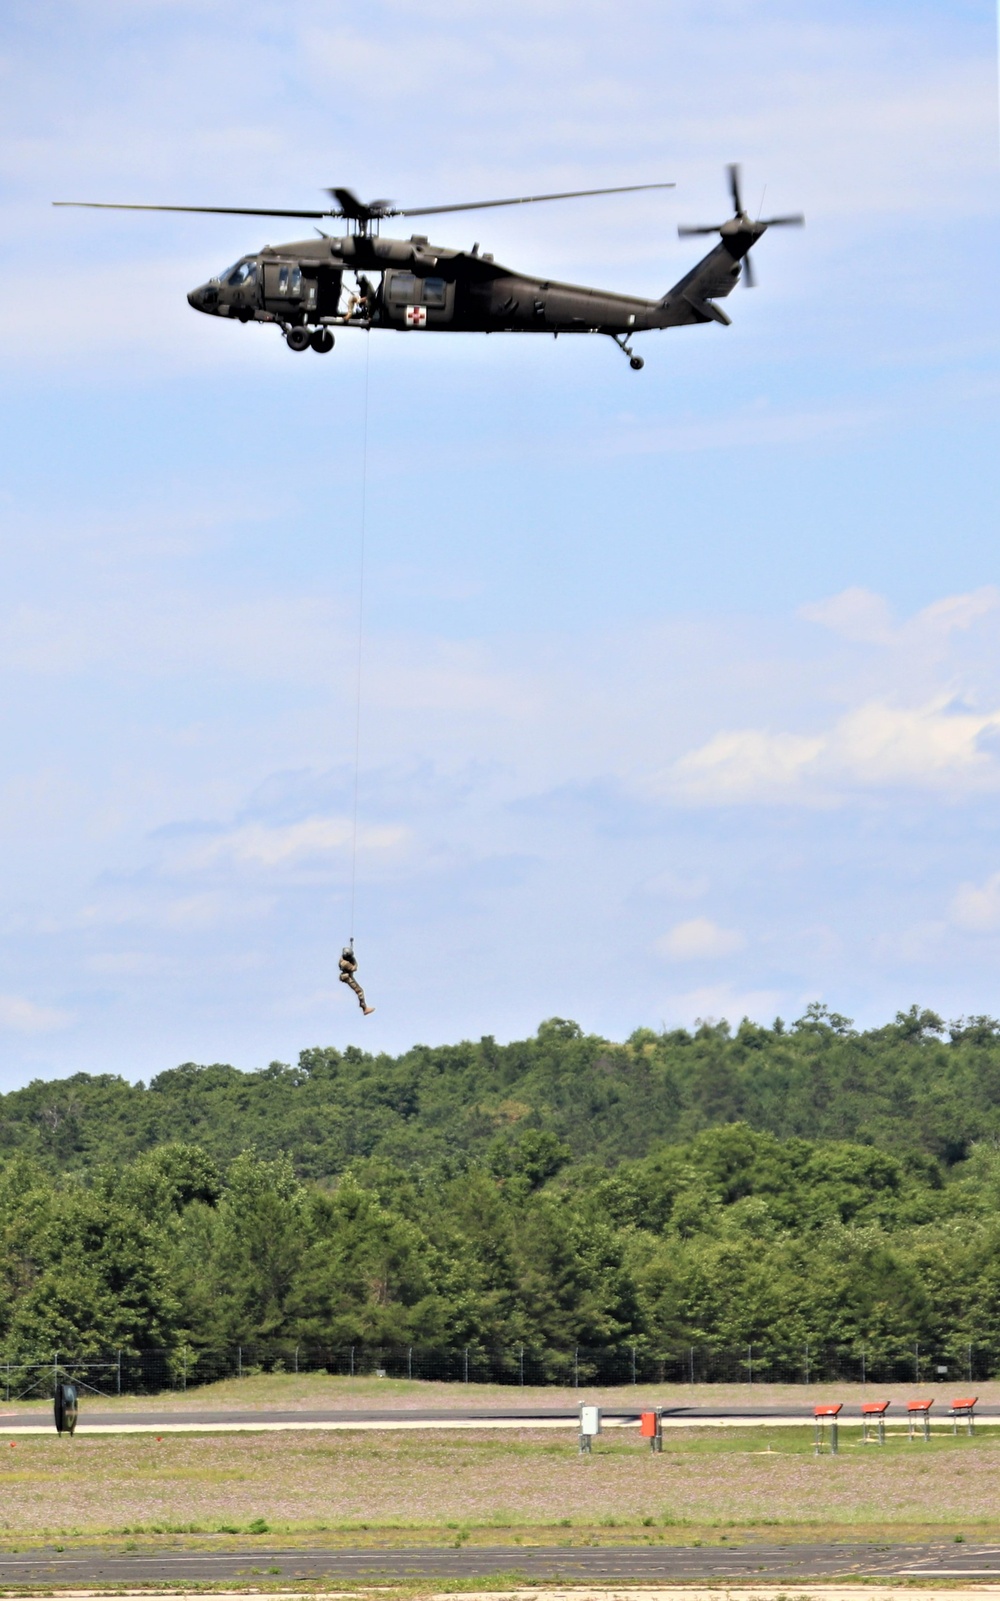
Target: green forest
(804, 1184)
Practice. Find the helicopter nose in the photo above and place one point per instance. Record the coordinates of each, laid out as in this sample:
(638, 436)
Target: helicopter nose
(199, 298)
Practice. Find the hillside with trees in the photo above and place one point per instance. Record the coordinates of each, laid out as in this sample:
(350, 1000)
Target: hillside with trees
(786, 1188)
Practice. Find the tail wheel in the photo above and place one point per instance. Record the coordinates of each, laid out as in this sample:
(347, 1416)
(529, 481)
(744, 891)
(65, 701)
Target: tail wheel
(322, 341)
(298, 338)
(637, 364)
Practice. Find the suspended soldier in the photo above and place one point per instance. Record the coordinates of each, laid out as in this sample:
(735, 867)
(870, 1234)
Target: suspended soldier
(348, 968)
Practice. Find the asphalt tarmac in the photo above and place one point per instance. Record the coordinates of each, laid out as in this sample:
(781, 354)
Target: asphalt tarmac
(588, 1564)
(264, 1418)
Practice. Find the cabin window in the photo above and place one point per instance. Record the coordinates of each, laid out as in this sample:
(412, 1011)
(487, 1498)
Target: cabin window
(404, 287)
(295, 281)
(435, 290)
(282, 280)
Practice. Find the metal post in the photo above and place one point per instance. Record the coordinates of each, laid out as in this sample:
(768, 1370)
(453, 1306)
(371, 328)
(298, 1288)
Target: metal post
(296, 1359)
(862, 1367)
(833, 1437)
(119, 1373)
(750, 1364)
(184, 1378)
(633, 1364)
(807, 1361)
(465, 1365)
(409, 1361)
(576, 1367)
(970, 1364)
(691, 1354)
(239, 1361)
(521, 1365)
(352, 1361)
(916, 1362)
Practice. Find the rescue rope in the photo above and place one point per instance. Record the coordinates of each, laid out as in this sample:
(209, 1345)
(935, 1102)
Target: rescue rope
(361, 636)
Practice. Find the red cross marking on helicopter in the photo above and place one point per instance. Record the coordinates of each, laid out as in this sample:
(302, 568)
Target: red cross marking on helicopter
(416, 316)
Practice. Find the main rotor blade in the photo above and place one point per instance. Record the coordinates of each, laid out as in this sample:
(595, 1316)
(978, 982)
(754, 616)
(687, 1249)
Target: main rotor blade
(688, 233)
(734, 187)
(749, 277)
(528, 200)
(220, 211)
(796, 221)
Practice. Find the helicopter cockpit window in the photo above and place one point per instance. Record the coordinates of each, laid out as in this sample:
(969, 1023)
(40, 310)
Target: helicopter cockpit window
(434, 291)
(241, 273)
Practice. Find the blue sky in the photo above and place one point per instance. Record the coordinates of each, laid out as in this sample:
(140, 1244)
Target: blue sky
(681, 688)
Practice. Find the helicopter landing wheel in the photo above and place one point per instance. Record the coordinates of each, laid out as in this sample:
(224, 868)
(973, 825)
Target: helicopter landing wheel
(322, 341)
(298, 338)
(636, 363)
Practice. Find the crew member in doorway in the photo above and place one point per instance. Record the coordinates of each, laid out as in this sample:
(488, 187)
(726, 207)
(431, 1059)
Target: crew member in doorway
(348, 968)
(362, 302)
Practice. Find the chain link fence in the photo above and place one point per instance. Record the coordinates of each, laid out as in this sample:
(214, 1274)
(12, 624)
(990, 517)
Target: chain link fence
(154, 1371)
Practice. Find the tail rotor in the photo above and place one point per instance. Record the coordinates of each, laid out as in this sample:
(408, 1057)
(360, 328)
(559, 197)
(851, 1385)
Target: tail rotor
(739, 232)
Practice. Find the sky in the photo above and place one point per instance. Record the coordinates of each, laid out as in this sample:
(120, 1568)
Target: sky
(680, 691)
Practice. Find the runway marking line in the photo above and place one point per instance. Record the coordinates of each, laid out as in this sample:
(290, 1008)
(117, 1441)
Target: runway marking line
(366, 1425)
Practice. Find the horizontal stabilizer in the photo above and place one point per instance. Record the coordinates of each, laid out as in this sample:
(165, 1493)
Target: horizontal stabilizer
(708, 309)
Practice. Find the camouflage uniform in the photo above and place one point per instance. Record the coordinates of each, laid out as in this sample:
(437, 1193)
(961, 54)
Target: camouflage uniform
(348, 968)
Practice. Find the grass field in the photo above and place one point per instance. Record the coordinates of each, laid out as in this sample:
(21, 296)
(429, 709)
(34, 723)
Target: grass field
(291, 1391)
(528, 1485)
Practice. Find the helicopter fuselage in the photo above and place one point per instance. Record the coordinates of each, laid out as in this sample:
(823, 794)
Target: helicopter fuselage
(300, 285)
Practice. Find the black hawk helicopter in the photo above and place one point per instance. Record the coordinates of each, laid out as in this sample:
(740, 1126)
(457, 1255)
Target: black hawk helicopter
(300, 286)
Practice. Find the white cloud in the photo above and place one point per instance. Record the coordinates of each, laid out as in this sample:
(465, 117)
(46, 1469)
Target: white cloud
(863, 617)
(930, 744)
(933, 746)
(976, 907)
(261, 845)
(943, 617)
(699, 939)
(747, 764)
(24, 1017)
(711, 1002)
(856, 614)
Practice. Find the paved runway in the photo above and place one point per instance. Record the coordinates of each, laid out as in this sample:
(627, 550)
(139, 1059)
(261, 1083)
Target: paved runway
(587, 1564)
(267, 1418)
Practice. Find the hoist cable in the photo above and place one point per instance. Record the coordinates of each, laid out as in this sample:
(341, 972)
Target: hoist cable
(361, 636)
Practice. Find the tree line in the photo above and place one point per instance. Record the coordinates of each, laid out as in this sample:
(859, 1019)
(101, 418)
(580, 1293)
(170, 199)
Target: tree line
(558, 1192)
(914, 1084)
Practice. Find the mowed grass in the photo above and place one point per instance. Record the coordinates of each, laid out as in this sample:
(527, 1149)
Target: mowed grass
(494, 1487)
(302, 1391)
